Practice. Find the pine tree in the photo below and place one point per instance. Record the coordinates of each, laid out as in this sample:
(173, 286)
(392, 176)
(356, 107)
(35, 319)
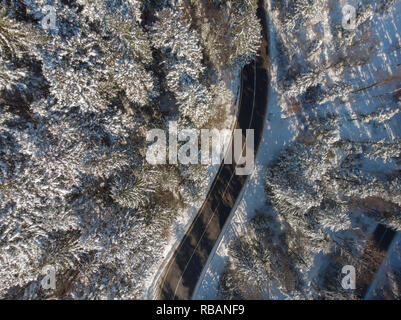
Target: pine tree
(179, 44)
(9, 78)
(16, 39)
(75, 189)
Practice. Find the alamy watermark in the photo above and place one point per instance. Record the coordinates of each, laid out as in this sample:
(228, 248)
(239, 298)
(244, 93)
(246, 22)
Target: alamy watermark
(349, 280)
(349, 17)
(49, 20)
(49, 279)
(221, 147)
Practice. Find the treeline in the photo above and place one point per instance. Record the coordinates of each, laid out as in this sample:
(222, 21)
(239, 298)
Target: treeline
(76, 101)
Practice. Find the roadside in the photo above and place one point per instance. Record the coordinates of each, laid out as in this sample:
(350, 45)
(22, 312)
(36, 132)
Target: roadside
(187, 215)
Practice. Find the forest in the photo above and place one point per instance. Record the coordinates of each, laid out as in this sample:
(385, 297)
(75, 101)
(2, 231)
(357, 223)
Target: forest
(81, 82)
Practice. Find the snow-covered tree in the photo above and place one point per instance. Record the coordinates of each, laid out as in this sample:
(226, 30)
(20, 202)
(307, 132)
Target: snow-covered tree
(16, 38)
(246, 34)
(76, 102)
(179, 44)
(261, 259)
(9, 78)
(102, 64)
(314, 186)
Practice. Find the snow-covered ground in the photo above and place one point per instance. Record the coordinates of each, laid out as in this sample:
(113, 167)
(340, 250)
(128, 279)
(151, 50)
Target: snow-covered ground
(78, 98)
(366, 88)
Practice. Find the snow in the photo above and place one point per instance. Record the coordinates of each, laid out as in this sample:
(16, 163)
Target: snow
(187, 215)
(279, 131)
(77, 102)
(282, 127)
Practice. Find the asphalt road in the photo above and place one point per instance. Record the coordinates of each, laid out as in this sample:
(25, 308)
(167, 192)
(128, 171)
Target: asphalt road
(185, 267)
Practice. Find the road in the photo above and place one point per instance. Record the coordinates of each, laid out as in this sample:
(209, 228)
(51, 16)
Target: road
(185, 267)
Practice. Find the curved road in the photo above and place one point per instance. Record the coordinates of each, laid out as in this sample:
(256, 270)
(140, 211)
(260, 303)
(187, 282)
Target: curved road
(185, 267)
